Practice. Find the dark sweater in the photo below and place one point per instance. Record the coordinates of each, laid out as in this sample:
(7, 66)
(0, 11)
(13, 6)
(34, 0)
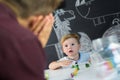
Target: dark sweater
(21, 55)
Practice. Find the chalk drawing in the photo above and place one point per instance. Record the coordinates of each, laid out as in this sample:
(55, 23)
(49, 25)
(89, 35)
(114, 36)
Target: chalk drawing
(84, 9)
(62, 27)
(114, 29)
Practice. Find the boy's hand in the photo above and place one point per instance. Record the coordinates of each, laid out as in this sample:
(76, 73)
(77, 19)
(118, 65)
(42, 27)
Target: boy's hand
(65, 63)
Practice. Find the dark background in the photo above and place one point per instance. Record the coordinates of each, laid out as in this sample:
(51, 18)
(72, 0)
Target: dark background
(94, 22)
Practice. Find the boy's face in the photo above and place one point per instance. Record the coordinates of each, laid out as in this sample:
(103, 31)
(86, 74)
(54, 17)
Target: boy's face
(71, 47)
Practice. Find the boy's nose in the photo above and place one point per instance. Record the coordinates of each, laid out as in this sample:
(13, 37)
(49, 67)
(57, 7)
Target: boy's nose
(69, 46)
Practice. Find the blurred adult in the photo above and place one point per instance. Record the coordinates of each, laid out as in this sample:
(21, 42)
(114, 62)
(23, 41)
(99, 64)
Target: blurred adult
(23, 25)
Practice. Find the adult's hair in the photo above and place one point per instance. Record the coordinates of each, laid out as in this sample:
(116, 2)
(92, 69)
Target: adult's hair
(71, 35)
(26, 8)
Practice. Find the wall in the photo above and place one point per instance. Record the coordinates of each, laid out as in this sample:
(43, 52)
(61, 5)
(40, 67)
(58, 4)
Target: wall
(91, 19)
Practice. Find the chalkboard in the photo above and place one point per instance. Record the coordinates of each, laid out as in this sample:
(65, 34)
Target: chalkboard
(91, 19)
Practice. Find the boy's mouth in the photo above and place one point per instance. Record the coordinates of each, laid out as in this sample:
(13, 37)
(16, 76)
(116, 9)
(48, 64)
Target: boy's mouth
(70, 50)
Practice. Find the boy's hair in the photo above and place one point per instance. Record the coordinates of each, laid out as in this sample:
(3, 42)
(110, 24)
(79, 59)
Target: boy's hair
(71, 35)
(27, 8)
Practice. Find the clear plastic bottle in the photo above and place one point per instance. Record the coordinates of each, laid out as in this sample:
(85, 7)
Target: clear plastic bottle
(110, 50)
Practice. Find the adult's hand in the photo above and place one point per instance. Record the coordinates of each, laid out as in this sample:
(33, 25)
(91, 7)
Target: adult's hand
(42, 27)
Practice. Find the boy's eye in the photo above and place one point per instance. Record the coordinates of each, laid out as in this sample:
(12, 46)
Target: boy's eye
(66, 45)
(73, 44)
